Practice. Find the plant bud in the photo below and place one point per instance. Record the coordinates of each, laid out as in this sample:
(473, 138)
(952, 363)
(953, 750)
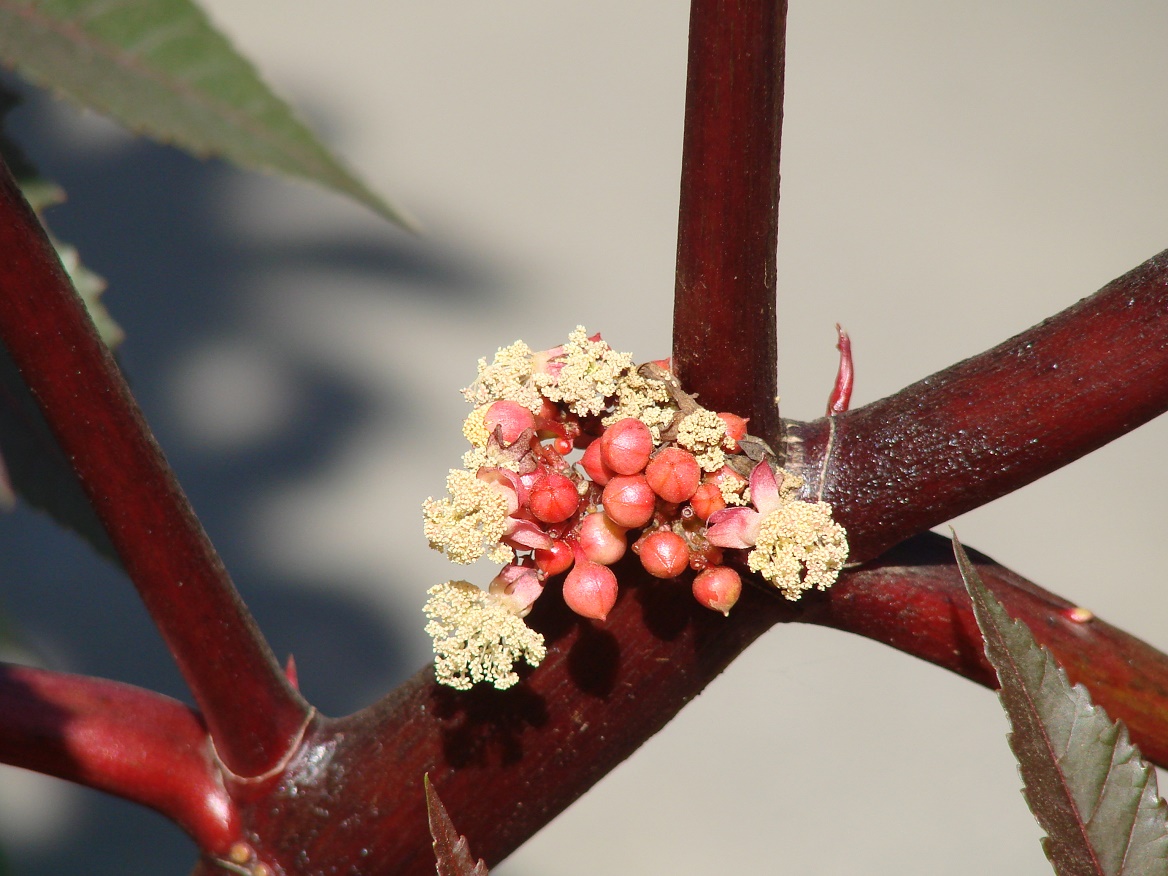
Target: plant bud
(626, 445)
(718, 588)
(707, 499)
(629, 501)
(735, 428)
(556, 559)
(601, 540)
(590, 590)
(511, 418)
(594, 466)
(664, 554)
(553, 498)
(674, 474)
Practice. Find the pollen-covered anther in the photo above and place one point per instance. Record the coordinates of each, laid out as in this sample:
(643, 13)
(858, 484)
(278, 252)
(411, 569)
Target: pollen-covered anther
(477, 638)
(703, 433)
(799, 547)
(470, 522)
(508, 376)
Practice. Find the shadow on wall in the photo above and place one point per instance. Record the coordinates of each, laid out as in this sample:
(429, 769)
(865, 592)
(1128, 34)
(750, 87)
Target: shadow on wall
(155, 223)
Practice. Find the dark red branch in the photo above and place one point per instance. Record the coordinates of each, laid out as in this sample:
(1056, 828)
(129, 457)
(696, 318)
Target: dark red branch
(130, 742)
(913, 599)
(724, 331)
(998, 421)
(252, 711)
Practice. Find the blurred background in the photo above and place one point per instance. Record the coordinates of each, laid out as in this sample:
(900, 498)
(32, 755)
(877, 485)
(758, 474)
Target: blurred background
(950, 177)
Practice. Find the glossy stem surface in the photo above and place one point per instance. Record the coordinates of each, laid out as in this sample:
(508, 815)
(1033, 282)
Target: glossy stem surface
(117, 738)
(724, 330)
(252, 712)
(997, 421)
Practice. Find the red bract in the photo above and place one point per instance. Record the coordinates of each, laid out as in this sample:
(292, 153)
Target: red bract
(664, 554)
(718, 588)
(590, 589)
(601, 540)
(510, 418)
(553, 498)
(674, 474)
(629, 500)
(626, 445)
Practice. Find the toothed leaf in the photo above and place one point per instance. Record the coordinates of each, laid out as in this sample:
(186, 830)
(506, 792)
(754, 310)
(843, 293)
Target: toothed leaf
(1086, 783)
(451, 850)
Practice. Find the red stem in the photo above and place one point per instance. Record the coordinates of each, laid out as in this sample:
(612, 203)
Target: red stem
(253, 713)
(724, 330)
(996, 422)
(121, 739)
(913, 599)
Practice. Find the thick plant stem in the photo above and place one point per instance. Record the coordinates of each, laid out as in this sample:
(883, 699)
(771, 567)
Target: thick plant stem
(997, 421)
(116, 738)
(724, 331)
(253, 714)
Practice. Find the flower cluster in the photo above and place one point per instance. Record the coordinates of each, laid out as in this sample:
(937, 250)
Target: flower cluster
(578, 456)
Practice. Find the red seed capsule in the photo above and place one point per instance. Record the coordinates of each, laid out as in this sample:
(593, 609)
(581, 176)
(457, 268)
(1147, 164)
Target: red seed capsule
(594, 466)
(629, 500)
(664, 554)
(553, 498)
(707, 499)
(673, 474)
(511, 418)
(626, 445)
(601, 540)
(590, 590)
(556, 559)
(718, 588)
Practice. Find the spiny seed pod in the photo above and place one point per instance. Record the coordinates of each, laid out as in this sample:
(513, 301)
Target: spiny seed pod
(553, 498)
(594, 465)
(590, 589)
(511, 418)
(629, 500)
(556, 559)
(626, 445)
(601, 540)
(735, 428)
(707, 499)
(674, 474)
(664, 554)
(718, 588)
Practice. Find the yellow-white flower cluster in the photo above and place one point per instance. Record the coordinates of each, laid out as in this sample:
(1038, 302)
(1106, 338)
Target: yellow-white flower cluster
(799, 547)
(476, 638)
(703, 433)
(470, 522)
(588, 375)
(508, 376)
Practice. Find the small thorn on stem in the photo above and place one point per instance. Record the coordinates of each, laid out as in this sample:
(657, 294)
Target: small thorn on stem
(290, 672)
(841, 393)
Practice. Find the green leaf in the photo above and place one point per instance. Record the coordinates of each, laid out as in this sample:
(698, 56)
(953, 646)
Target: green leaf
(1085, 782)
(161, 68)
(451, 850)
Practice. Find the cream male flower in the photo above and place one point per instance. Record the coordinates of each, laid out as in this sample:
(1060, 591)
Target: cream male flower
(796, 545)
(703, 433)
(644, 398)
(582, 373)
(478, 637)
(471, 522)
(508, 377)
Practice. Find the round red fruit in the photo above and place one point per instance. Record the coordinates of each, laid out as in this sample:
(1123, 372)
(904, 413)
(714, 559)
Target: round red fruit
(553, 498)
(664, 554)
(629, 501)
(674, 474)
(626, 445)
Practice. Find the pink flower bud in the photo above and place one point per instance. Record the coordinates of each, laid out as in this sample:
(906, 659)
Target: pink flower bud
(629, 500)
(556, 559)
(602, 540)
(707, 499)
(517, 587)
(735, 427)
(590, 590)
(718, 588)
(553, 498)
(511, 418)
(626, 445)
(664, 554)
(674, 474)
(594, 465)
